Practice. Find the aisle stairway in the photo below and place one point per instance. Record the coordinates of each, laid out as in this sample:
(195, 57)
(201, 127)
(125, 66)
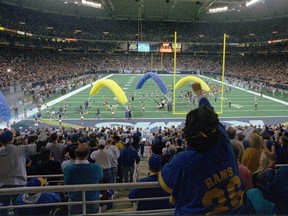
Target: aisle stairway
(123, 194)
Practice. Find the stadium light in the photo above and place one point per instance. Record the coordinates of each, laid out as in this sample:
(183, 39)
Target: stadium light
(218, 10)
(91, 4)
(252, 2)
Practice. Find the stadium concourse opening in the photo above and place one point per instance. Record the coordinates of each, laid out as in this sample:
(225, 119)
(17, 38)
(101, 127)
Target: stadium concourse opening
(104, 105)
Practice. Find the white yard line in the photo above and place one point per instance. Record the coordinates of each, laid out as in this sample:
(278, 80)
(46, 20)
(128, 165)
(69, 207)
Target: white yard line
(251, 92)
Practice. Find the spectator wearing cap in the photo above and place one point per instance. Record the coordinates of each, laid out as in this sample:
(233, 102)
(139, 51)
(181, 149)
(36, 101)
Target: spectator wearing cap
(83, 172)
(37, 198)
(103, 157)
(13, 165)
(128, 158)
(155, 165)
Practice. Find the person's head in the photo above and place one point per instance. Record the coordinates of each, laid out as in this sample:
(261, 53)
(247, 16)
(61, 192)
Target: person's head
(231, 131)
(240, 136)
(172, 149)
(102, 143)
(284, 141)
(54, 137)
(201, 129)
(255, 141)
(267, 159)
(82, 151)
(75, 138)
(6, 137)
(236, 150)
(155, 163)
(72, 151)
(32, 139)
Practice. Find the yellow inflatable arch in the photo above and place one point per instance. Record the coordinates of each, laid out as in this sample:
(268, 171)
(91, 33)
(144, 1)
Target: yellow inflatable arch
(113, 86)
(195, 79)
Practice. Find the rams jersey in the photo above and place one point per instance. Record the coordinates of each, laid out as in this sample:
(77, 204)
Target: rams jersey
(204, 183)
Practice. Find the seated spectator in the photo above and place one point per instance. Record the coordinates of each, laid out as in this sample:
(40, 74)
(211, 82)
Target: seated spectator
(37, 198)
(201, 179)
(252, 154)
(83, 173)
(155, 165)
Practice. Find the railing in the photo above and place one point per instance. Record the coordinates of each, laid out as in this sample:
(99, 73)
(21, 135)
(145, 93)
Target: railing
(83, 189)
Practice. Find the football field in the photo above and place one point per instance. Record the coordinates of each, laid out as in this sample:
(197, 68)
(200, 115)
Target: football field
(147, 100)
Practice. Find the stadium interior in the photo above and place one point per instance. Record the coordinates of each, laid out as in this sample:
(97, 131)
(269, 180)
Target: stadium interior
(121, 72)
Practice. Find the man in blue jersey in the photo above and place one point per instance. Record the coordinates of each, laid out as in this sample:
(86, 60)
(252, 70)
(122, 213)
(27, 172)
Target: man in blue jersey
(155, 165)
(81, 172)
(205, 179)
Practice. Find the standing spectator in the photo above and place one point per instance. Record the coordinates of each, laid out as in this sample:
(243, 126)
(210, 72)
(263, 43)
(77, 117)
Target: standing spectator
(252, 154)
(231, 131)
(57, 149)
(103, 157)
(13, 162)
(128, 157)
(244, 172)
(83, 173)
(155, 165)
(205, 179)
(71, 158)
(114, 160)
(282, 152)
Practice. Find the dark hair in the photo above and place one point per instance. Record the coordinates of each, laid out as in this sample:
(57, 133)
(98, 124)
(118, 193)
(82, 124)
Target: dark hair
(231, 133)
(53, 137)
(32, 139)
(72, 151)
(201, 129)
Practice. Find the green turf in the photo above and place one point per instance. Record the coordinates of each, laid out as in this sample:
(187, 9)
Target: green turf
(242, 102)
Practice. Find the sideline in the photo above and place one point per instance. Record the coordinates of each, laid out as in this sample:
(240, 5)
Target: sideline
(51, 103)
(248, 91)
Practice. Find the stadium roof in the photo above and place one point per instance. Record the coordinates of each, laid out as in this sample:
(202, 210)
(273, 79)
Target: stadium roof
(161, 10)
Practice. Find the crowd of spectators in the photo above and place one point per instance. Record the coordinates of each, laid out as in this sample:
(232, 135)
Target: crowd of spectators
(45, 151)
(123, 30)
(25, 65)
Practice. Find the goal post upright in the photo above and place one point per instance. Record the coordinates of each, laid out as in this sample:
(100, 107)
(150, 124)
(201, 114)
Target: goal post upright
(223, 74)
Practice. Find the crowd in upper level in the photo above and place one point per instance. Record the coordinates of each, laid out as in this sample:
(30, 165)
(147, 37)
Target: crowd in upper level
(39, 65)
(39, 23)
